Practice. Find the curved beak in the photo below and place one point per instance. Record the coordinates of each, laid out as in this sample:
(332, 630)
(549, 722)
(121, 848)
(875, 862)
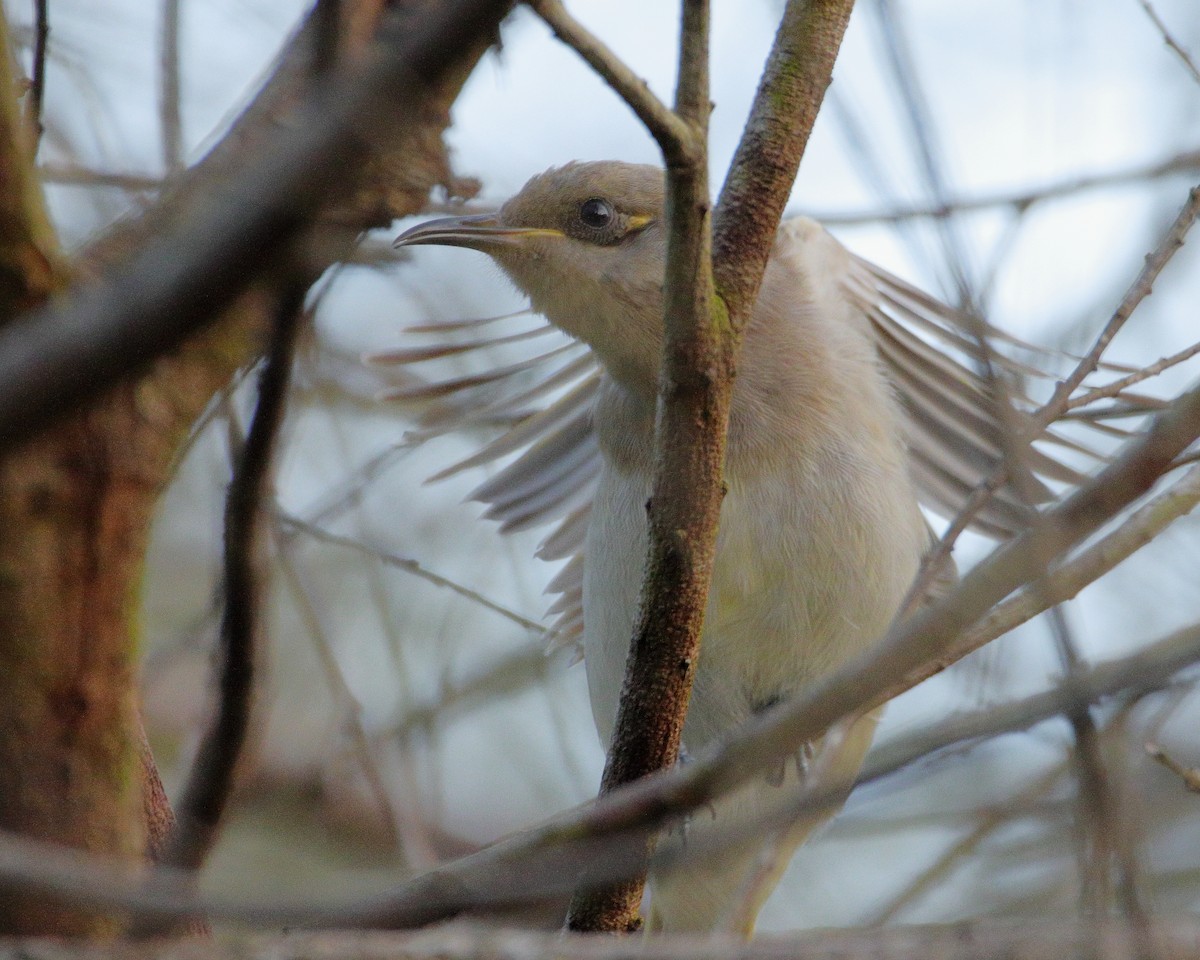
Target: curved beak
(476, 232)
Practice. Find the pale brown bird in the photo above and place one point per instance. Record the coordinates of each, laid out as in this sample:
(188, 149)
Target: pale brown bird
(843, 420)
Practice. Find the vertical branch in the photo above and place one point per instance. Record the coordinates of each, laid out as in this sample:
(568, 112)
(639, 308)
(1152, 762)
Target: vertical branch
(1105, 826)
(29, 260)
(37, 75)
(695, 389)
(764, 167)
(327, 21)
(169, 90)
(211, 778)
(710, 287)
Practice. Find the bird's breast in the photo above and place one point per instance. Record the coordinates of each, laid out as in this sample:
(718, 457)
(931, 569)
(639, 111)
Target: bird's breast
(811, 562)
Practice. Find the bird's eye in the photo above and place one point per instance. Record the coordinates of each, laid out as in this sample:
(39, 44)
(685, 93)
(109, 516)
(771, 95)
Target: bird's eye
(596, 213)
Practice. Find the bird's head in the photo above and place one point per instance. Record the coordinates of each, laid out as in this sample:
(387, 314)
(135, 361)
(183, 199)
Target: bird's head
(585, 243)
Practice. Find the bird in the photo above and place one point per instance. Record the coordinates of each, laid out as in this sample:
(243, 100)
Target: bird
(858, 399)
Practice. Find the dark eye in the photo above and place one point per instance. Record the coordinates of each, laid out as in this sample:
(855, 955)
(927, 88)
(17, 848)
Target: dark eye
(596, 213)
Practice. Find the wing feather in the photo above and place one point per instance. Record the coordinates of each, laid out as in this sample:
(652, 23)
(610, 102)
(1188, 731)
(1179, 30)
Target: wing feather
(543, 408)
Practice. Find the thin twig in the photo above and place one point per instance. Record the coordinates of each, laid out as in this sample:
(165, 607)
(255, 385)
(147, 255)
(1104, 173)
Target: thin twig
(351, 708)
(916, 112)
(932, 563)
(294, 524)
(37, 78)
(73, 174)
(1186, 162)
(1124, 383)
(210, 780)
(1100, 821)
(675, 136)
(1188, 63)
(59, 357)
(1189, 775)
(1141, 288)
(489, 874)
(169, 88)
(507, 676)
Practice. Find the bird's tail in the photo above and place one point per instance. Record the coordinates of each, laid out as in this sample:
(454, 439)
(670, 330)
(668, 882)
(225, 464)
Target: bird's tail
(726, 890)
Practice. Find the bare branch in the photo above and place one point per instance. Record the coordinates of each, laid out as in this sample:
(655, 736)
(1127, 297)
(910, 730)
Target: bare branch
(293, 524)
(695, 387)
(169, 93)
(1124, 383)
(764, 168)
(1141, 288)
(1185, 162)
(546, 857)
(37, 77)
(1184, 57)
(66, 353)
(674, 135)
(210, 780)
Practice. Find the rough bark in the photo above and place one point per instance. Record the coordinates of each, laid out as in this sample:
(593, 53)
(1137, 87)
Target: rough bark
(76, 502)
(702, 338)
(695, 390)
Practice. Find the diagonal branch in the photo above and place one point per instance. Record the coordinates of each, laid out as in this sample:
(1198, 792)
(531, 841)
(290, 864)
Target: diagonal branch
(675, 136)
(1175, 46)
(764, 167)
(69, 352)
(1141, 288)
(546, 855)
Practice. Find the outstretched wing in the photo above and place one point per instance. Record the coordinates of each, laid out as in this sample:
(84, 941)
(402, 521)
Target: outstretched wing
(933, 355)
(538, 411)
(538, 408)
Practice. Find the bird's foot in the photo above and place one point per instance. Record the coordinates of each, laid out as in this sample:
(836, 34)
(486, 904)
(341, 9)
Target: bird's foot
(802, 758)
